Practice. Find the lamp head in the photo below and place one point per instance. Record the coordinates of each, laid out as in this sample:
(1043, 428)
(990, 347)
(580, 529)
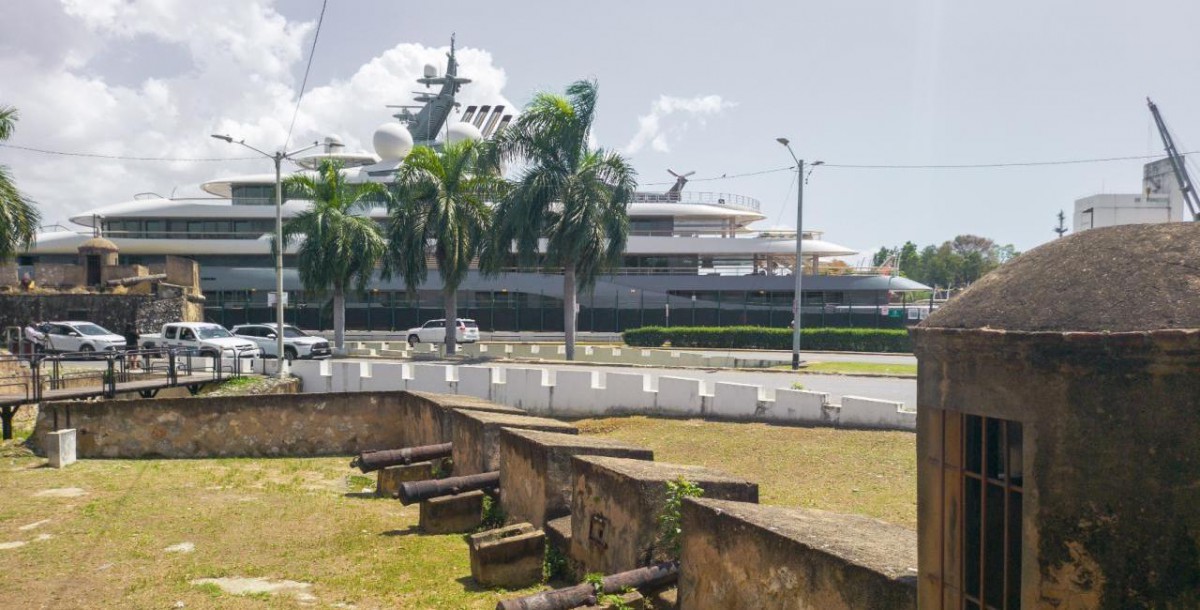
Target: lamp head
(816, 163)
(222, 137)
(783, 141)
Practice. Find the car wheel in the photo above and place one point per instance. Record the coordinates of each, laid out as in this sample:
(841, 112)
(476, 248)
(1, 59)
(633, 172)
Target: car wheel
(413, 340)
(289, 353)
(86, 348)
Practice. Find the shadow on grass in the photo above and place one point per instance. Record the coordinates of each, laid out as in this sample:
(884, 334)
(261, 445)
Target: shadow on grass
(361, 494)
(411, 530)
(469, 585)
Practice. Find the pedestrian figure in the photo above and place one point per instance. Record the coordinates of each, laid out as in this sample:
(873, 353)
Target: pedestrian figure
(131, 345)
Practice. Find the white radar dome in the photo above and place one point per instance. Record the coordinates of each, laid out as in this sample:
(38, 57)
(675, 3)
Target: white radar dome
(392, 142)
(463, 131)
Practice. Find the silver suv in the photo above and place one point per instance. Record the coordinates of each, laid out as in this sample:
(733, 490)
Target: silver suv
(297, 344)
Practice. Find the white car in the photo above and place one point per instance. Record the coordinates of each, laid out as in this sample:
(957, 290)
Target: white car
(434, 331)
(296, 343)
(81, 337)
(202, 338)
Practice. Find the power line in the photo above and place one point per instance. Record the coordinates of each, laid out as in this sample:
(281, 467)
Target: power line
(121, 157)
(999, 165)
(304, 83)
(728, 177)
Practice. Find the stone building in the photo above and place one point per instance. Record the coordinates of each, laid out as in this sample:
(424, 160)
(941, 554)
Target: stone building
(1059, 428)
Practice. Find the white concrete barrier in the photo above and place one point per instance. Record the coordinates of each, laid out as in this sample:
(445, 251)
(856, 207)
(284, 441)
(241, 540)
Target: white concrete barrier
(584, 393)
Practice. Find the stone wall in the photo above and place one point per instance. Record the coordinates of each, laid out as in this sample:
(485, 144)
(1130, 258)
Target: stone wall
(745, 556)
(242, 426)
(112, 311)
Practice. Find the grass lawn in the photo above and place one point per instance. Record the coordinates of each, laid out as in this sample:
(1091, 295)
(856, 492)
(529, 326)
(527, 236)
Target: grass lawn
(876, 368)
(306, 520)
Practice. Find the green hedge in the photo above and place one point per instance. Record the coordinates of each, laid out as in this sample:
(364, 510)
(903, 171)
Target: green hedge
(760, 337)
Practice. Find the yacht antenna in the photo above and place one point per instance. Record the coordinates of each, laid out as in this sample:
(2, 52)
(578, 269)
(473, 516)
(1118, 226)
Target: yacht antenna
(1061, 229)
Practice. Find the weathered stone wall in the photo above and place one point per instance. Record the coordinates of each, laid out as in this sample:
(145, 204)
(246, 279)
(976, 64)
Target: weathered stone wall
(429, 415)
(740, 556)
(55, 275)
(257, 426)
(616, 502)
(476, 437)
(1111, 457)
(536, 477)
(112, 311)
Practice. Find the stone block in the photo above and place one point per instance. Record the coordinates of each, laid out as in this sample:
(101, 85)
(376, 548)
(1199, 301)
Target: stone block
(509, 557)
(452, 514)
(60, 448)
(427, 415)
(741, 556)
(389, 479)
(536, 476)
(476, 437)
(616, 503)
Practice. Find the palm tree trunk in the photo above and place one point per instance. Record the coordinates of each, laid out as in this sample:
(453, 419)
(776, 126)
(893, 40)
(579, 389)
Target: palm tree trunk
(451, 299)
(569, 309)
(339, 319)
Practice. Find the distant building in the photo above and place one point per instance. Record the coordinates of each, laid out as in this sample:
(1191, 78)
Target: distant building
(1159, 201)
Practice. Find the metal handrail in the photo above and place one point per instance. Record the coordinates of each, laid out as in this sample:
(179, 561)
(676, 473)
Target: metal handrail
(732, 200)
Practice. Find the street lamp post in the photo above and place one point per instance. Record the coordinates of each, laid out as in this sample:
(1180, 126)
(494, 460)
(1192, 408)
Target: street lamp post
(282, 370)
(797, 299)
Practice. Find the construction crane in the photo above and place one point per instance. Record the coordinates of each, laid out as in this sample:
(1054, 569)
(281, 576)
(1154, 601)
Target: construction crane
(1177, 165)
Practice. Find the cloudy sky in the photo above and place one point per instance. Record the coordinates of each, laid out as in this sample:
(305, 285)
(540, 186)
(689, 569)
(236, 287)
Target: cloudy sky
(697, 85)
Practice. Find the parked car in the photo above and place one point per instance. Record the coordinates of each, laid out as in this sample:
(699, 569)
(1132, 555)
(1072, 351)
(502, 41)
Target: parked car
(202, 338)
(80, 337)
(296, 343)
(434, 331)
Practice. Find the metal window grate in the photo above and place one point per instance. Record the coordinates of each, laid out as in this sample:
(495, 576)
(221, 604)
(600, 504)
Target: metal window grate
(981, 521)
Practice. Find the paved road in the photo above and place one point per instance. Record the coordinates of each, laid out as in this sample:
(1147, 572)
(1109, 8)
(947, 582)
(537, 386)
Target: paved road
(884, 388)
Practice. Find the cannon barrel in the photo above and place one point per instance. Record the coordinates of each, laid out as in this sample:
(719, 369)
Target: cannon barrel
(369, 461)
(649, 578)
(415, 491)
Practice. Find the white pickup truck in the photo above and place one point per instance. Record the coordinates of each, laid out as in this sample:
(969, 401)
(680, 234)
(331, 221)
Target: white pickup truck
(203, 339)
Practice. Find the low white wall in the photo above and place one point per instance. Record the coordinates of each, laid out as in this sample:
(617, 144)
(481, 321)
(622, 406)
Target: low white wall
(585, 353)
(584, 393)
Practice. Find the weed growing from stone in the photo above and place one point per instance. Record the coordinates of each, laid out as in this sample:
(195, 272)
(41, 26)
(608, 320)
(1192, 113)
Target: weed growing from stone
(615, 601)
(554, 564)
(493, 515)
(670, 521)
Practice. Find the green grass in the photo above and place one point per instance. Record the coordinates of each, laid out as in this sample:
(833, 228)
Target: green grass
(875, 368)
(307, 519)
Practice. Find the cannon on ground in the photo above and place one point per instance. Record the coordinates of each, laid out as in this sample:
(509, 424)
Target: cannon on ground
(370, 461)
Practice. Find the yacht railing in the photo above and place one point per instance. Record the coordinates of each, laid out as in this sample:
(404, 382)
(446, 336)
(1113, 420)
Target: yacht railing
(699, 198)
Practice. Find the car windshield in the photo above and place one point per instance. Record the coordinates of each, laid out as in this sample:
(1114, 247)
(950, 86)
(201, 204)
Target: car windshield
(91, 330)
(292, 332)
(212, 332)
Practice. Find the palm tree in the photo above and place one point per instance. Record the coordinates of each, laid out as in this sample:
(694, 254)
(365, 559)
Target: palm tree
(438, 207)
(341, 245)
(19, 217)
(569, 194)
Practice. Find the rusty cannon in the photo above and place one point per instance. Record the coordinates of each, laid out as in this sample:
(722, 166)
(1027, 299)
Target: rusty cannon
(416, 491)
(649, 578)
(370, 461)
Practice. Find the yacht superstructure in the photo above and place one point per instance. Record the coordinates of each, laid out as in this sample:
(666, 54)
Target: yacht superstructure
(687, 250)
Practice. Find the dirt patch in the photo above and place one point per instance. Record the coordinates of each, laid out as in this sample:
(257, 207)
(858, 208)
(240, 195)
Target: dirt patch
(182, 547)
(35, 524)
(12, 545)
(259, 586)
(63, 492)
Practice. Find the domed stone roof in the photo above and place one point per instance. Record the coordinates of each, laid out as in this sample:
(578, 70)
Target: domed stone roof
(1117, 279)
(99, 244)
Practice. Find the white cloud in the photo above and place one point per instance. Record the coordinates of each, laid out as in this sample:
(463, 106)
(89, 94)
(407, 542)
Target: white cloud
(670, 116)
(241, 78)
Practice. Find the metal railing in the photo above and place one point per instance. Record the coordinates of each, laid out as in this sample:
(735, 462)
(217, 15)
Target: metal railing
(732, 200)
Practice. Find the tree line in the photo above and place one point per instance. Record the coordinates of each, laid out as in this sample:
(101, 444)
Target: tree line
(953, 264)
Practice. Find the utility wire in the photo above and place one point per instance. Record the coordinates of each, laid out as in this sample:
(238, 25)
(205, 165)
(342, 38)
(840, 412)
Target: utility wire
(304, 83)
(999, 165)
(121, 157)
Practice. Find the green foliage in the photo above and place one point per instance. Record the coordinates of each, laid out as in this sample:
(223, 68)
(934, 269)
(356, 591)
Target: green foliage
(796, 385)
(493, 515)
(341, 243)
(954, 263)
(438, 199)
(611, 600)
(670, 522)
(554, 564)
(759, 337)
(19, 216)
(573, 196)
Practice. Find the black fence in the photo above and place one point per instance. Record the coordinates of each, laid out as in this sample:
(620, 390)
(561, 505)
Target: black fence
(594, 316)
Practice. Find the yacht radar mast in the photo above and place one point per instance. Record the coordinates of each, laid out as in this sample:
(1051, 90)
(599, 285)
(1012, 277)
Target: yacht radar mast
(435, 108)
